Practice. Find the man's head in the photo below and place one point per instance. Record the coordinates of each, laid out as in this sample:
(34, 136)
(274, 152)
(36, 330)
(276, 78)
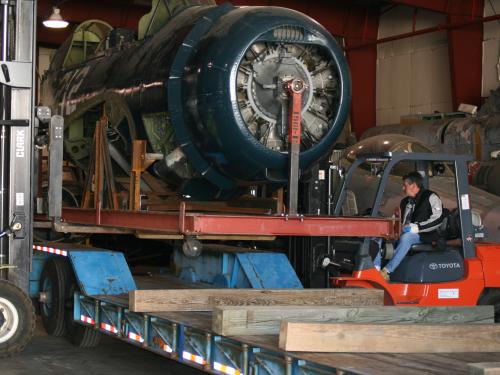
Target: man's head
(412, 183)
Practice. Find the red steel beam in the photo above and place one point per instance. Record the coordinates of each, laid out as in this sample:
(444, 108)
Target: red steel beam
(434, 5)
(442, 27)
(456, 7)
(203, 224)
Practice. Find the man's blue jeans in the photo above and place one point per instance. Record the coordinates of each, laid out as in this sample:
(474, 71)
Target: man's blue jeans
(404, 244)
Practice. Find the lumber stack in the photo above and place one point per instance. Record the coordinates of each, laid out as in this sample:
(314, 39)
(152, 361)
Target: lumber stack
(332, 320)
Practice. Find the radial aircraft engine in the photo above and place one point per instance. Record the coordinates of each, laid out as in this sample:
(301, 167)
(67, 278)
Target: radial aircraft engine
(203, 84)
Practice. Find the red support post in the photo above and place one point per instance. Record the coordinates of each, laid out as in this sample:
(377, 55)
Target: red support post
(363, 65)
(466, 52)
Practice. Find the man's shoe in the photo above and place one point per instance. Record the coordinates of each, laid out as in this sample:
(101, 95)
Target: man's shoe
(385, 274)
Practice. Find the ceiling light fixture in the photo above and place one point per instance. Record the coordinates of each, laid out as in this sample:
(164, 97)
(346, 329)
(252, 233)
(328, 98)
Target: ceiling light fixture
(55, 21)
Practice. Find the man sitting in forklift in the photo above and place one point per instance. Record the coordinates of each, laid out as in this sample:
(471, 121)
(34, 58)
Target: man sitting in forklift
(421, 215)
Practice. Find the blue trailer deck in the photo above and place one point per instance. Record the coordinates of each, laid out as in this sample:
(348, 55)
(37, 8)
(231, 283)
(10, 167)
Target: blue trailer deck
(187, 338)
(102, 304)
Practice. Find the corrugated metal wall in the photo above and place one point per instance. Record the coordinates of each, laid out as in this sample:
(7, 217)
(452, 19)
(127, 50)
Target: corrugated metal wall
(413, 74)
(491, 49)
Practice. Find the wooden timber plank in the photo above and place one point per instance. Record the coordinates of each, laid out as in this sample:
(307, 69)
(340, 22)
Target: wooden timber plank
(380, 364)
(262, 320)
(486, 368)
(389, 338)
(201, 320)
(205, 299)
(313, 297)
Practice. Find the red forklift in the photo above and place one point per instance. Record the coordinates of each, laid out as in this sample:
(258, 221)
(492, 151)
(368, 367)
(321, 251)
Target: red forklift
(458, 269)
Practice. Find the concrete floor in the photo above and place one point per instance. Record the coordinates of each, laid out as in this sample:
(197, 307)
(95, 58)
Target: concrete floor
(55, 355)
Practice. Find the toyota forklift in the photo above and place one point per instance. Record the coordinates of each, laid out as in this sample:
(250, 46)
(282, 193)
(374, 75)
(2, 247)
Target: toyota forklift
(456, 269)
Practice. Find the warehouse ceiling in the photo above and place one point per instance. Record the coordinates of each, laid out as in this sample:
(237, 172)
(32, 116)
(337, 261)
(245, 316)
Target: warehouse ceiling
(126, 13)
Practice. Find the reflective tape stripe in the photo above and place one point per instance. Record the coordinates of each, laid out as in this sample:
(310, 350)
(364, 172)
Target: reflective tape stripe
(157, 340)
(135, 337)
(50, 250)
(167, 348)
(109, 328)
(86, 319)
(226, 369)
(193, 358)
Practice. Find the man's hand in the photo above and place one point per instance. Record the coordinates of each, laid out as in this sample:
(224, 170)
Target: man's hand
(411, 228)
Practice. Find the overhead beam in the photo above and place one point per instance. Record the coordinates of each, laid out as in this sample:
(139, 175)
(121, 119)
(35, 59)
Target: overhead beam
(438, 28)
(456, 7)
(434, 5)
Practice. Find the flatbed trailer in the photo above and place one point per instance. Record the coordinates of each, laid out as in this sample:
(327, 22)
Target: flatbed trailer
(187, 337)
(192, 343)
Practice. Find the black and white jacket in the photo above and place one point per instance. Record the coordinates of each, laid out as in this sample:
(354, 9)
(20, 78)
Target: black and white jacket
(425, 210)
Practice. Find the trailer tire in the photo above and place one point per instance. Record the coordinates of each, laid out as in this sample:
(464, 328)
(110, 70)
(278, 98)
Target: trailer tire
(85, 337)
(79, 335)
(17, 319)
(54, 282)
(491, 297)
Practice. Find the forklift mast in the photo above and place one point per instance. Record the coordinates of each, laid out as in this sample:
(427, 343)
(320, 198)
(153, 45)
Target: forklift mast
(17, 79)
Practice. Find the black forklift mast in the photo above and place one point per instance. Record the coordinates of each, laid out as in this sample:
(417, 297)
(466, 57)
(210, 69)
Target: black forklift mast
(17, 79)
(17, 120)
(306, 253)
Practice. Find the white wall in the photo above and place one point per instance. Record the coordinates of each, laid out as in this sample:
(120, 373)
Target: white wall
(413, 73)
(491, 50)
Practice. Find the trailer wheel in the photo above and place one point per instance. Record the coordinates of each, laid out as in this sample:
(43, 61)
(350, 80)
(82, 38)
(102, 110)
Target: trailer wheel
(491, 297)
(54, 282)
(79, 335)
(17, 319)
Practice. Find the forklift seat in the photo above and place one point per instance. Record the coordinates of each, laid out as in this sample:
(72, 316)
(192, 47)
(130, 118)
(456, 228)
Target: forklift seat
(439, 240)
(426, 247)
(423, 247)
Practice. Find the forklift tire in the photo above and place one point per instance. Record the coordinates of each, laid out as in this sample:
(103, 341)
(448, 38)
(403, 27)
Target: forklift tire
(79, 335)
(54, 282)
(491, 297)
(17, 319)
